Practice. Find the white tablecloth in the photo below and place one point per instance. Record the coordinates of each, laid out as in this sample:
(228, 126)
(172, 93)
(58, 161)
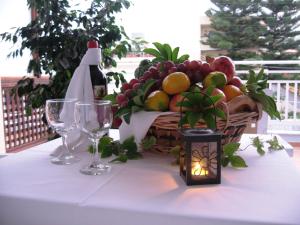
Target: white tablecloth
(146, 192)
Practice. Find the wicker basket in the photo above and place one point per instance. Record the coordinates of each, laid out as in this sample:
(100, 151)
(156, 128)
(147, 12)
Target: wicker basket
(240, 112)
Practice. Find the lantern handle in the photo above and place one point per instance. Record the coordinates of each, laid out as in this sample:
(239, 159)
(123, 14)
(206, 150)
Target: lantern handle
(206, 95)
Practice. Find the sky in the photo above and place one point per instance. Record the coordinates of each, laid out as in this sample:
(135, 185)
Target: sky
(176, 22)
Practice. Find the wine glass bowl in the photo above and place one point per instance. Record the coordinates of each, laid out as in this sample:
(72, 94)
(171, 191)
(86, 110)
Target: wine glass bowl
(94, 119)
(60, 117)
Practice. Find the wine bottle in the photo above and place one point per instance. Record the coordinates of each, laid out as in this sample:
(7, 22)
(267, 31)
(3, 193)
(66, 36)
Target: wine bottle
(98, 78)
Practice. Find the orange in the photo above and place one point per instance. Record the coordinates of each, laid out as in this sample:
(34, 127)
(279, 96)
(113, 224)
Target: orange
(157, 101)
(231, 92)
(176, 83)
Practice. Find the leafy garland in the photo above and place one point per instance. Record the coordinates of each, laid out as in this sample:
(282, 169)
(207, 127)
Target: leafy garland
(230, 151)
(128, 150)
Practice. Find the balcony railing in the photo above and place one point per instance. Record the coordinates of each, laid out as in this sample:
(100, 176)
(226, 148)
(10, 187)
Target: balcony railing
(19, 131)
(286, 94)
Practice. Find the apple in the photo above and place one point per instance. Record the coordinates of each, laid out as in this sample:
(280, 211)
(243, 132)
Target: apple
(236, 81)
(224, 64)
(217, 91)
(174, 100)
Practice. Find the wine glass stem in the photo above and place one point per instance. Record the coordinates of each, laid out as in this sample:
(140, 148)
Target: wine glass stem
(96, 156)
(64, 140)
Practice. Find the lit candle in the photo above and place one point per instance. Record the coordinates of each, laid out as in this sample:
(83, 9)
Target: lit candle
(197, 170)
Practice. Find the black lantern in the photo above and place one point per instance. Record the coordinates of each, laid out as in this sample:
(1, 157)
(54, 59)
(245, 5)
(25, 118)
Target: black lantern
(200, 156)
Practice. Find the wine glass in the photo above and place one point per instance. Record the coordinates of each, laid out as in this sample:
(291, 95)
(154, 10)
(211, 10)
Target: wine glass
(60, 117)
(94, 119)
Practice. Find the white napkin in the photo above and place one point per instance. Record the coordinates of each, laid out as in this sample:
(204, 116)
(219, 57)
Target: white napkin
(81, 89)
(140, 123)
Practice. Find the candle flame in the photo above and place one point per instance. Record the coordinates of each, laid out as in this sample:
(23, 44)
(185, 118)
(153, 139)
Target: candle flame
(197, 170)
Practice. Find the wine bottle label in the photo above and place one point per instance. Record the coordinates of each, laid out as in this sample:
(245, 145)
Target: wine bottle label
(99, 91)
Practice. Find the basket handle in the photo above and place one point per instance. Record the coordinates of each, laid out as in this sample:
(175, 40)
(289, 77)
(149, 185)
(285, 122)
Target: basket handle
(206, 95)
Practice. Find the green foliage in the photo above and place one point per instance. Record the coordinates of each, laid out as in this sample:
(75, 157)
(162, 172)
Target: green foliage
(201, 106)
(58, 39)
(148, 142)
(229, 151)
(236, 28)
(255, 86)
(255, 29)
(111, 97)
(230, 157)
(281, 33)
(175, 151)
(164, 52)
(142, 68)
(118, 77)
(136, 103)
(258, 144)
(123, 151)
(274, 144)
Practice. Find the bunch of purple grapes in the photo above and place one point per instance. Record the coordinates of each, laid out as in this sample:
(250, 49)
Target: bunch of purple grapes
(195, 70)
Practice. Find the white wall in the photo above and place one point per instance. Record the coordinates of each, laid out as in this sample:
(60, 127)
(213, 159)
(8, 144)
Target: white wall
(176, 22)
(13, 13)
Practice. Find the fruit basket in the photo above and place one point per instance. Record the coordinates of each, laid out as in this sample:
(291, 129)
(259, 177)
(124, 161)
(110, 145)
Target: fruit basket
(219, 99)
(244, 111)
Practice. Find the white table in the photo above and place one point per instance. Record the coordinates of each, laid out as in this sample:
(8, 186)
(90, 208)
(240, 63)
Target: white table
(146, 192)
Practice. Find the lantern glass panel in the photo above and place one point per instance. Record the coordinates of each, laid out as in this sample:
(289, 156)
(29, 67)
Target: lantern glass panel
(204, 160)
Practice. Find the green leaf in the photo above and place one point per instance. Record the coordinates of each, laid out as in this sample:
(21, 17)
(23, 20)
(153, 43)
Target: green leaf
(255, 86)
(230, 148)
(146, 87)
(129, 145)
(193, 118)
(168, 49)
(210, 101)
(175, 54)
(195, 98)
(210, 121)
(237, 162)
(91, 149)
(225, 161)
(135, 109)
(104, 141)
(106, 151)
(111, 97)
(148, 142)
(127, 118)
(104, 146)
(175, 151)
(186, 104)
(182, 58)
(220, 113)
(122, 111)
(210, 90)
(152, 51)
(258, 144)
(274, 144)
(138, 100)
(162, 50)
(121, 158)
(260, 75)
(183, 121)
